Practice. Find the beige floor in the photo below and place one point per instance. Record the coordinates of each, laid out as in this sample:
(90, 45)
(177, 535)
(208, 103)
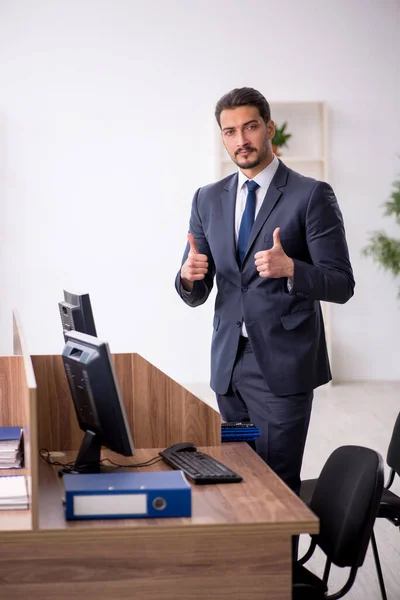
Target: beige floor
(362, 414)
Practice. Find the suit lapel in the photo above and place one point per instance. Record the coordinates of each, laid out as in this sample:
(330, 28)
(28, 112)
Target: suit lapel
(228, 199)
(272, 196)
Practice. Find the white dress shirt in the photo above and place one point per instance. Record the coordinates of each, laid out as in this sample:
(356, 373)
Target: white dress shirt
(263, 179)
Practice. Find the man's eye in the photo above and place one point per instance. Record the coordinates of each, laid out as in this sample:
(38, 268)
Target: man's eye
(229, 132)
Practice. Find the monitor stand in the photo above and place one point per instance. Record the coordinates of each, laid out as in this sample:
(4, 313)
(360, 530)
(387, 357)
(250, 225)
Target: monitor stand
(89, 455)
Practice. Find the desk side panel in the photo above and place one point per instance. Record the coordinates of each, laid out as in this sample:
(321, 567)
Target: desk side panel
(57, 424)
(160, 412)
(14, 411)
(151, 564)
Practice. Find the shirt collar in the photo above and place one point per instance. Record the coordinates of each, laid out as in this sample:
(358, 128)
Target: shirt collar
(263, 178)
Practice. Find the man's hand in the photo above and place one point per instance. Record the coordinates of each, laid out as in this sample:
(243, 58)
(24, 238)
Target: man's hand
(274, 263)
(195, 267)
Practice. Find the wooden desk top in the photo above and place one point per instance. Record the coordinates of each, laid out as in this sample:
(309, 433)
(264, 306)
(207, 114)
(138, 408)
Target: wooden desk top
(262, 500)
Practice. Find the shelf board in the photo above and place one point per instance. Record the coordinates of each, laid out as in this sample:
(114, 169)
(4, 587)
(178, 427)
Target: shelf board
(302, 158)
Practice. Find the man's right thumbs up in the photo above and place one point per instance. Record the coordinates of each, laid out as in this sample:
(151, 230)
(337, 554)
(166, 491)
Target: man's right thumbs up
(195, 267)
(192, 244)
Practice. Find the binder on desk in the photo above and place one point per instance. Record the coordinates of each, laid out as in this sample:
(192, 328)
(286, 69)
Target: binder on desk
(127, 495)
(11, 447)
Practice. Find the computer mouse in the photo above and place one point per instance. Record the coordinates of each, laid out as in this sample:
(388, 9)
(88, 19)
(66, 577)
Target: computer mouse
(182, 447)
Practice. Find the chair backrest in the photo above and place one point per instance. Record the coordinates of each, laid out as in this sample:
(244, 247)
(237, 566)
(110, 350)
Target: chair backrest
(393, 454)
(346, 500)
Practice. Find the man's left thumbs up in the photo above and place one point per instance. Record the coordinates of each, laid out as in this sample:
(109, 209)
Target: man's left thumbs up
(274, 263)
(277, 239)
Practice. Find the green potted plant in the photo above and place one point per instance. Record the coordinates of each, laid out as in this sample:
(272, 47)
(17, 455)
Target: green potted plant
(383, 249)
(280, 138)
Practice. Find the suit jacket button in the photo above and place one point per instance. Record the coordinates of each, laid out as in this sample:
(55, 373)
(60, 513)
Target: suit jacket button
(239, 323)
(244, 288)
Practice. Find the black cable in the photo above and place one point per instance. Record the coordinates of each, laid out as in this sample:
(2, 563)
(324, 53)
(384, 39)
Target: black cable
(45, 455)
(147, 463)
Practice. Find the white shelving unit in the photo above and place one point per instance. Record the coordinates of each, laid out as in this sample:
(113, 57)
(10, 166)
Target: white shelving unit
(306, 152)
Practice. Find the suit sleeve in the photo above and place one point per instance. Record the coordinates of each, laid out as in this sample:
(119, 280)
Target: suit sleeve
(329, 277)
(201, 289)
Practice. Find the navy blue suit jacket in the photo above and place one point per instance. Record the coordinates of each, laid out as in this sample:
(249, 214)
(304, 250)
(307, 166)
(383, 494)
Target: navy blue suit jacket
(286, 329)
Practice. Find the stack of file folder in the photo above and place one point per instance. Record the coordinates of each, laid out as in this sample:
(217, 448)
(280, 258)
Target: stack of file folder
(13, 492)
(11, 447)
(239, 432)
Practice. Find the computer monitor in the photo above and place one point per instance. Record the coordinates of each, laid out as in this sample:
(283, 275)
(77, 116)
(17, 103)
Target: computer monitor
(76, 313)
(97, 400)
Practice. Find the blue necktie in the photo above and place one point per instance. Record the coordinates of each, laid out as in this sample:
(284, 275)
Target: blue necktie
(247, 221)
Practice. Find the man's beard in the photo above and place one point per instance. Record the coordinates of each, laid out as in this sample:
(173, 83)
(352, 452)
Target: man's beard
(250, 163)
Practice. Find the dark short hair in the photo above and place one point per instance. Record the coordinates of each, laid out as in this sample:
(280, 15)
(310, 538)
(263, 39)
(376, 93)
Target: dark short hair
(243, 97)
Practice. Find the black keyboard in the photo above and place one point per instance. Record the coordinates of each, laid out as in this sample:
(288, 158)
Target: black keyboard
(197, 466)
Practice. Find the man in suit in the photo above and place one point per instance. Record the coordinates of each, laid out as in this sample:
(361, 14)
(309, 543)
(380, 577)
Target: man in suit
(275, 242)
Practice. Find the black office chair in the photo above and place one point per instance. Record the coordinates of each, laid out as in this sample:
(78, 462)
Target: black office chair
(389, 507)
(346, 500)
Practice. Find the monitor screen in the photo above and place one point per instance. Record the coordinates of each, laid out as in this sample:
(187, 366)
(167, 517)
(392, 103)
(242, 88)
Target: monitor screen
(98, 404)
(76, 313)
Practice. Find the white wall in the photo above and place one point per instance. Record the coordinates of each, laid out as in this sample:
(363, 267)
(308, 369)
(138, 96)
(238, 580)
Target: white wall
(106, 131)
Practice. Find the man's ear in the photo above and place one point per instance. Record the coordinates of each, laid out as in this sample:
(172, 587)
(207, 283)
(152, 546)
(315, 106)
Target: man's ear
(270, 129)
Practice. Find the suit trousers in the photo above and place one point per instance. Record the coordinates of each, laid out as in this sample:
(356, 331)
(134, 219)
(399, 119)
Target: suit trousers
(282, 420)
